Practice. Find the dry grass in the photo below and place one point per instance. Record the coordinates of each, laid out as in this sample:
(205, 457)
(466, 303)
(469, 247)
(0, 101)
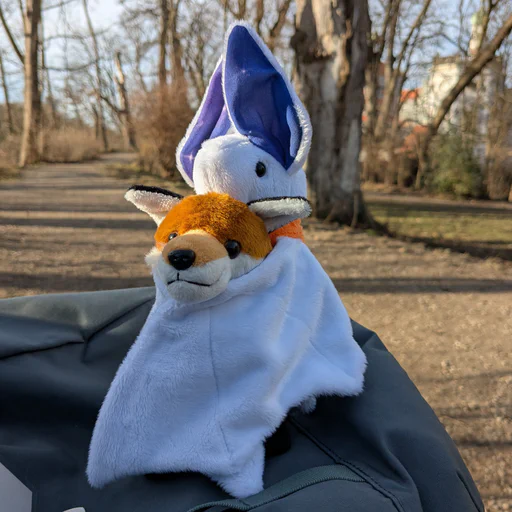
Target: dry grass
(9, 151)
(71, 145)
(66, 145)
(478, 228)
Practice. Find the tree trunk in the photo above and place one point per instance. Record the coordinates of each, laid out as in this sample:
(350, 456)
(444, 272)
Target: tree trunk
(125, 113)
(46, 74)
(371, 81)
(423, 166)
(101, 116)
(177, 69)
(97, 130)
(29, 152)
(8, 108)
(331, 54)
(162, 44)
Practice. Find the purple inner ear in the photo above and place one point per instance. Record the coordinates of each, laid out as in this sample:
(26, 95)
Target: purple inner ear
(258, 99)
(212, 121)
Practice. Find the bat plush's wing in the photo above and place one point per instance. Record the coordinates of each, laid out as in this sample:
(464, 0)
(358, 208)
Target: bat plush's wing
(283, 341)
(159, 414)
(202, 391)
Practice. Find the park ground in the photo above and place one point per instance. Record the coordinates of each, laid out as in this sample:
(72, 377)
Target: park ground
(446, 316)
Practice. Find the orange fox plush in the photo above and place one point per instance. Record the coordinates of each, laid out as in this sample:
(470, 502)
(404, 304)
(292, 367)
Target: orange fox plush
(204, 241)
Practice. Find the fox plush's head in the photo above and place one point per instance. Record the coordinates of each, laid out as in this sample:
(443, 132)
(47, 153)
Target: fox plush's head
(251, 134)
(204, 241)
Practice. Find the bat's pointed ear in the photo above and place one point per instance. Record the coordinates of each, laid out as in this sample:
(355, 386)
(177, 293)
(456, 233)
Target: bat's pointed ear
(261, 100)
(211, 120)
(154, 201)
(276, 212)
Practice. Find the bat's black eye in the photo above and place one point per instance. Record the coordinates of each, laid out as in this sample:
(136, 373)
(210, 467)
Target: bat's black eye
(173, 235)
(261, 169)
(233, 247)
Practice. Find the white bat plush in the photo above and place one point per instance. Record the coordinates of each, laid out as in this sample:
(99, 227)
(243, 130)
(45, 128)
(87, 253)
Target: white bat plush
(239, 334)
(251, 135)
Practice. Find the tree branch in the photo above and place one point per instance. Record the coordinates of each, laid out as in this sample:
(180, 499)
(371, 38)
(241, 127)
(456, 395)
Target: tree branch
(113, 107)
(11, 37)
(260, 12)
(275, 31)
(417, 23)
(485, 25)
(57, 5)
(472, 69)
(71, 69)
(393, 21)
(385, 25)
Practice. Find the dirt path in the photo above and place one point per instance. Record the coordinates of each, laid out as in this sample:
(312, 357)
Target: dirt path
(446, 317)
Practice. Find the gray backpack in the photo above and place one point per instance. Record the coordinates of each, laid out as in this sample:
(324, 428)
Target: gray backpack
(384, 450)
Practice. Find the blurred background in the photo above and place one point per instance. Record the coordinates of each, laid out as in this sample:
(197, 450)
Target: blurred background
(410, 171)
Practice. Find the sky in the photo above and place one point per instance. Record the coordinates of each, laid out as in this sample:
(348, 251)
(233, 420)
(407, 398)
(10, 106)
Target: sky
(103, 14)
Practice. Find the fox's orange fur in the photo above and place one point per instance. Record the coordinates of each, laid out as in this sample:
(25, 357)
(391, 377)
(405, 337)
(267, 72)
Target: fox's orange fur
(222, 217)
(291, 230)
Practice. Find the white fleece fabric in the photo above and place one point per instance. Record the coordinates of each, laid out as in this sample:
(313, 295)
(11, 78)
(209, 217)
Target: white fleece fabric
(205, 384)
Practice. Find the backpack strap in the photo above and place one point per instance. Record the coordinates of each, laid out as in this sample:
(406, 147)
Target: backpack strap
(285, 487)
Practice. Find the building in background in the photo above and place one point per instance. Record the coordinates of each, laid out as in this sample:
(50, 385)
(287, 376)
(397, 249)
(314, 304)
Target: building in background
(471, 112)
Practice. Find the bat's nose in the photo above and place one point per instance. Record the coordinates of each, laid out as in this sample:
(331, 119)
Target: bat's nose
(181, 259)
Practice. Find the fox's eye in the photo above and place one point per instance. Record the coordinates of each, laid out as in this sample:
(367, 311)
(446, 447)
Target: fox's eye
(233, 248)
(173, 235)
(261, 169)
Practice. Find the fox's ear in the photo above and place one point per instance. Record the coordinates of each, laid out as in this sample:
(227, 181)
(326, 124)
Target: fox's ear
(154, 201)
(276, 212)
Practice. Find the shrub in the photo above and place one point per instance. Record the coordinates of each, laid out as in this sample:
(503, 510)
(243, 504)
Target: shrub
(499, 176)
(70, 145)
(9, 151)
(455, 168)
(162, 118)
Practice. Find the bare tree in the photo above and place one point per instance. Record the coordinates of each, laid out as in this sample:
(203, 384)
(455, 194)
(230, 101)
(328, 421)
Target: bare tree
(162, 44)
(275, 31)
(276, 20)
(9, 33)
(141, 45)
(399, 30)
(45, 74)
(29, 152)
(195, 55)
(97, 67)
(200, 46)
(331, 54)
(177, 69)
(238, 9)
(394, 72)
(5, 88)
(124, 112)
(31, 12)
(473, 67)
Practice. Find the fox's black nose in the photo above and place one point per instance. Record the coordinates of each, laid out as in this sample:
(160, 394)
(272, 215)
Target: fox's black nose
(181, 259)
